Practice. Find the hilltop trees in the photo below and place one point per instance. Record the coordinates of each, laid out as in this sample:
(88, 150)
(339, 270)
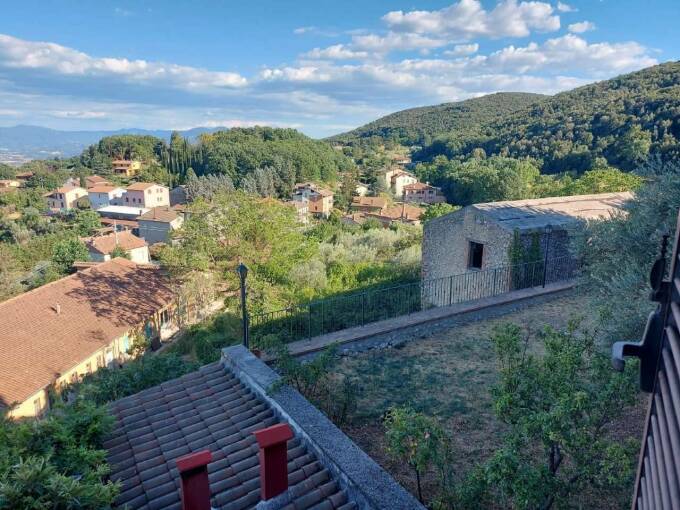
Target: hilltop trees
(261, 160)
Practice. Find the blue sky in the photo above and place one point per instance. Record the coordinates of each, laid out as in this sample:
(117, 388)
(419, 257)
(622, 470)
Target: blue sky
(322, 67)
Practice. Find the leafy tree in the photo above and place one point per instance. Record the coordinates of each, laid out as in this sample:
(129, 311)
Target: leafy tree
(436, 210)
(66, 252)
(119, 252)
(87, 222)
(207, 186)
(557, 408)
(418, 441)
(619, 252)
(633, 146)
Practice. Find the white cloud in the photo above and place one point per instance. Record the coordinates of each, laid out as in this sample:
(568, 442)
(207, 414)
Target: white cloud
(581, 26)
(394, 41)
(570, 53)
(304, 30)
(336, 52)
(462, 49)
(69, 114)
(562, 7)
(19, 54)
(468, 19)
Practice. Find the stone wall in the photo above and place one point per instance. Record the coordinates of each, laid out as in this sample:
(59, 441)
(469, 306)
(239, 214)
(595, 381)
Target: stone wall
(446, 243)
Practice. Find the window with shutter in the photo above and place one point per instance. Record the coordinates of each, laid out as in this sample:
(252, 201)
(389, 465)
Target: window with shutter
(657, 483)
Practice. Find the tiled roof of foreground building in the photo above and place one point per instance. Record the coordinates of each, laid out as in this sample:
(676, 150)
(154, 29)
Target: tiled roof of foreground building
(217, 410)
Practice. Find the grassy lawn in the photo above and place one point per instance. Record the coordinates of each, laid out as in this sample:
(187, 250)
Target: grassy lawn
(448, 374)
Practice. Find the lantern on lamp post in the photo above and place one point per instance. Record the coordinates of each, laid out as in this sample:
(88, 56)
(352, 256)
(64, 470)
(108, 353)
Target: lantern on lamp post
(242, 271)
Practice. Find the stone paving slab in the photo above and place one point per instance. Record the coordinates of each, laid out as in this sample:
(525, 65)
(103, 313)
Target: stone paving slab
(318, 343)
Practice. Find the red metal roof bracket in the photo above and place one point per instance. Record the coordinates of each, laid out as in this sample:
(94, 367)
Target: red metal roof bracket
(273, 443)
(193, 468)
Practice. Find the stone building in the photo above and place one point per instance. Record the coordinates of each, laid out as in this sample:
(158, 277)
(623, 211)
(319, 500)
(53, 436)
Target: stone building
(479, 236)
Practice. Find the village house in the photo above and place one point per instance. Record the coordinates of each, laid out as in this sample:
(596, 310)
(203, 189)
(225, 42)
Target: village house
(395, 179)
(301, 210)
(101, 247)
(479, 236)
(178, 195)
(57, 333)
(102, 195)
(125, 168)
(402, 213)
(23, 177)
(320, 199)
(64, 198)
(95, 180)
(156, 225)
(423, 193)
(146, 194)
(368, 204)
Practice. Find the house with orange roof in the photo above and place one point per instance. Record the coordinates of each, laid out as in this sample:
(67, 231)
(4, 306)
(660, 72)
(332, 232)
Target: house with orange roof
(95, 180)
(55, 334)
(65, 198)
(319, 200)
(157, 224)
(101, 247)
(103, 195)
(423, 193)
(368, 204)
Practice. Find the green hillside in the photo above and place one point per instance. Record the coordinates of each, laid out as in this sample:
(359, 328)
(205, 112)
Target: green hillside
(242, 154)
(417, 126)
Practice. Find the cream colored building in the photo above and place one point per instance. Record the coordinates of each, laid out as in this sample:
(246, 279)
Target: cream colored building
(101, 247)
(65, 198)
(147, 195)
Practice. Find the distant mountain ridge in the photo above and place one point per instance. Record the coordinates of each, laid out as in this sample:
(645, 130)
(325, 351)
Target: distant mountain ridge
(35, 142)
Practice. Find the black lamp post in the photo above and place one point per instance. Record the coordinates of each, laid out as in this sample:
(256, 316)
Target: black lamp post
(548, 233)
(242, 271)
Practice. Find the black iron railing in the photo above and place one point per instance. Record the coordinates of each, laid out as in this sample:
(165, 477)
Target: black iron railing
(337, 313)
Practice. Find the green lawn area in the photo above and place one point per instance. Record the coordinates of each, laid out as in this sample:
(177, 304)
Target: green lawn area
(448, 374)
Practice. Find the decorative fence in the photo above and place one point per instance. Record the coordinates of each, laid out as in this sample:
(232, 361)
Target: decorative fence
(337, 313)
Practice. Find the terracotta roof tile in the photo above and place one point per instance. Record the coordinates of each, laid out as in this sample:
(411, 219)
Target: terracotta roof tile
(221, 413)
(141, 186)
(126, 240)
(164, 214)
(370, 202)
(101, 188)
(95, 305)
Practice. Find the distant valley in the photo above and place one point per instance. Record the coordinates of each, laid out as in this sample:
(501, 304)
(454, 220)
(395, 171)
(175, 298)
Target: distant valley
(19, 144)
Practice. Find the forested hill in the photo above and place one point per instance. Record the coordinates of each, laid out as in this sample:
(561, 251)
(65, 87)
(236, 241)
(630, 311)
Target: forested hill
(418, 126)
(271, 154)
(624, 120)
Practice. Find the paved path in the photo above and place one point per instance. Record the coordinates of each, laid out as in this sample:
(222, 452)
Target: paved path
(317, 343)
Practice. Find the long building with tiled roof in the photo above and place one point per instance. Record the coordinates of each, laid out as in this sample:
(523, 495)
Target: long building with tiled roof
(58, 332)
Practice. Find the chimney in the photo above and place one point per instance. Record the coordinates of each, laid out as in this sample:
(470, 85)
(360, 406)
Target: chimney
(57, 308)
(273, 443)
(193, 468)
